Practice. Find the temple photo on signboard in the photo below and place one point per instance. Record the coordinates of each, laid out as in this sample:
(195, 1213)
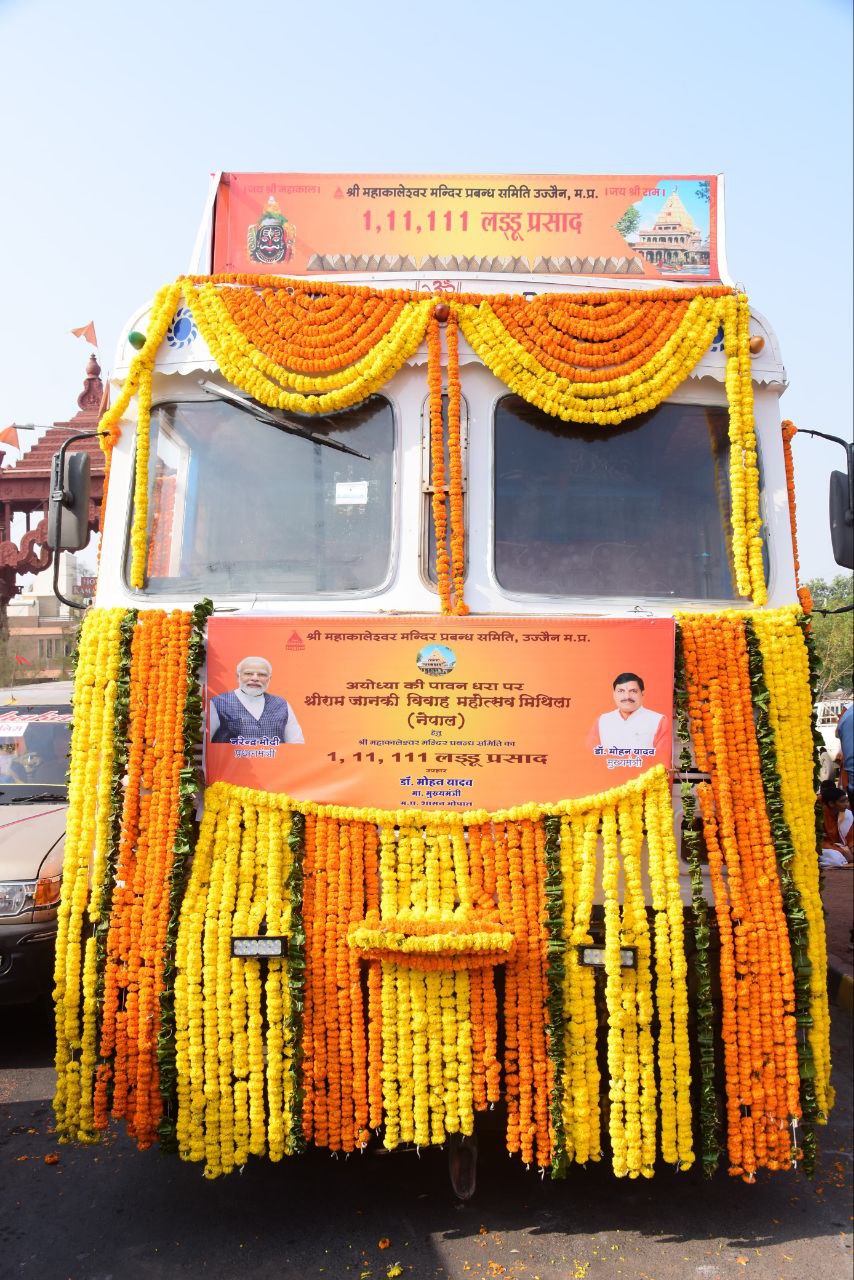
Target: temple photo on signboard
(669, 228)
(436, 660)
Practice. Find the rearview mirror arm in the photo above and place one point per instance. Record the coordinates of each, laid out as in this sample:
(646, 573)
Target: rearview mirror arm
(61, 497)
(849, 455)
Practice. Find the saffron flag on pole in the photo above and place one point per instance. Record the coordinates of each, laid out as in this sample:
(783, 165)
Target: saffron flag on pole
(9, 435)
(87, 331)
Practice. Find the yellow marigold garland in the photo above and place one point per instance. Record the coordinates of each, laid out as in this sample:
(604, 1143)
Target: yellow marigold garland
(786, 664)
(744, 469)
(579, 838)
(92, 751)
(138, 383)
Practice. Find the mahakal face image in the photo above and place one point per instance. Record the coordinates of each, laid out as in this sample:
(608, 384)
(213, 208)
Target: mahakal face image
(270, 245)
(267, 239)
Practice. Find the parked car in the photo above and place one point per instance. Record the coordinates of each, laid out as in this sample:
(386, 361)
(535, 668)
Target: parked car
(35, 729)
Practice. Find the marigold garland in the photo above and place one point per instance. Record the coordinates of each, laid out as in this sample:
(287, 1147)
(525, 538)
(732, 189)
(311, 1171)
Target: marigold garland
(591, 357)
(136, 952)
(757, 978)
(226, 1057)
(704, 1011)
(437, 464)
(581, 1106)
(786, 669)
(455, 468)
(88, 827)
(789, 431)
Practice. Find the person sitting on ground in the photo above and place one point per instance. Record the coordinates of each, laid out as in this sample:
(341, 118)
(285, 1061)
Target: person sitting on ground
(845, 821)
(834, 850)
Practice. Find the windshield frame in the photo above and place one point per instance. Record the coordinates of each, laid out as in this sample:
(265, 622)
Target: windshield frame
(176, 592)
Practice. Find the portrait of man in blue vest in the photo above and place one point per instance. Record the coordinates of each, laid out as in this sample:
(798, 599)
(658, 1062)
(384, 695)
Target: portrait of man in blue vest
(249, 713)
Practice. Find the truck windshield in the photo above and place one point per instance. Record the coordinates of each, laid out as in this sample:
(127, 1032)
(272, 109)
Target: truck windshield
(34, 744)
(236, 505)
(636, 510)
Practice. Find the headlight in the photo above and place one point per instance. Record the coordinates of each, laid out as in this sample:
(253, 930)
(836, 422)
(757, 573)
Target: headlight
(23, 895)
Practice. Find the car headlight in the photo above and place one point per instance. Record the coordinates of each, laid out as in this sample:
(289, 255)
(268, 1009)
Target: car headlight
(23, 895)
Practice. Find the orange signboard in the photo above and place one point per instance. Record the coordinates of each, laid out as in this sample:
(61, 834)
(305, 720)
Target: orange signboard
(446, 713)
(646, 225)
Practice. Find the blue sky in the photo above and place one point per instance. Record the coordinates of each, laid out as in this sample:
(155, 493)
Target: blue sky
(114, 115)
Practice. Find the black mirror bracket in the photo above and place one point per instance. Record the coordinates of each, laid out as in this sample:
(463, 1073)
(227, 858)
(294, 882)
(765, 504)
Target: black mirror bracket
(841, 501)
(60, 498)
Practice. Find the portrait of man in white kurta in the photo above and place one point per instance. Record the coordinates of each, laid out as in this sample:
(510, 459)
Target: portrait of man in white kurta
(631, 725)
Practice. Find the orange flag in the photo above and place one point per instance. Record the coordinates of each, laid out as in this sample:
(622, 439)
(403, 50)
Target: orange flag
(87, 331)
(9, 435)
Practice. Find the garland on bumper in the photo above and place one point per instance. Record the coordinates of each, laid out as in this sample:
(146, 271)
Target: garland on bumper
(317, 347)
(432, 903)
(383, 1016)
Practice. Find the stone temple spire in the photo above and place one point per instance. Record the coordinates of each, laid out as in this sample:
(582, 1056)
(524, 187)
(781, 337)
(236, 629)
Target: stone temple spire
(89, 400)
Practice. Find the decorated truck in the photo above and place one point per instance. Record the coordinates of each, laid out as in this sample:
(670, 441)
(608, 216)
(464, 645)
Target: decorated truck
(443, 735)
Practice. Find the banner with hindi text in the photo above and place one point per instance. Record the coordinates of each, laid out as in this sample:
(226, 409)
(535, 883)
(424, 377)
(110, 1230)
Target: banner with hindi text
(446, 713)
(640, 226)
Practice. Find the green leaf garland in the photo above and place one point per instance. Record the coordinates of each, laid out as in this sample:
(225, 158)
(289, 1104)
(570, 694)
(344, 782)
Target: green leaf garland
(710, 1120)
(189, 787)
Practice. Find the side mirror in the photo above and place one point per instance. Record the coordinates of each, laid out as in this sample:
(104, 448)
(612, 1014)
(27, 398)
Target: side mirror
(68, 512)
(841, 502)
(842, 518)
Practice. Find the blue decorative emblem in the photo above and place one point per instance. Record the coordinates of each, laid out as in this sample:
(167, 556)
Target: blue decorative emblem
(182, 331)
(718, 340)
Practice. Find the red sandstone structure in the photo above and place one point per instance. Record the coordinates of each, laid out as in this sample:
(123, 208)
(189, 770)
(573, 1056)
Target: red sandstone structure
(25, 488)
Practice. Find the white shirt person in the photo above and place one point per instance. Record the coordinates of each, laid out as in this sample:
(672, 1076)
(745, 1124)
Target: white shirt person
(632, 725)
(250, 711)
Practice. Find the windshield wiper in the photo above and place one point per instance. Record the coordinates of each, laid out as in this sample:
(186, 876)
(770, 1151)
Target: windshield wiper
(39, 796)
(275, 418)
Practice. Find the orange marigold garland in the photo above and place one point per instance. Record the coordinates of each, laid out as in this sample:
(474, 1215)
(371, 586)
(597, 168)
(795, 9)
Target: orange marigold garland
(759, 1004)
(455, 467)
(437, 464)
(141, 907)
(789, 431)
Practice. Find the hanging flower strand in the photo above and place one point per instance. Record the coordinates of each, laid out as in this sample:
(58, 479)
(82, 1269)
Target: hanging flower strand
(455, 467)
(437, 463)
